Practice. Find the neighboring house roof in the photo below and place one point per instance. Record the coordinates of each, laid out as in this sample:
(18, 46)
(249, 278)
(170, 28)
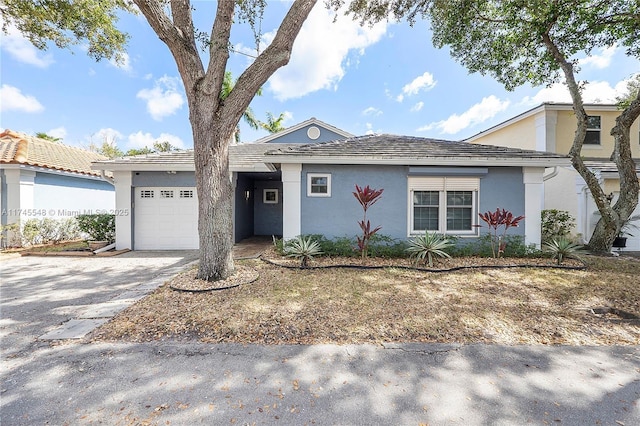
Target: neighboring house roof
(607, 169)
(309, 122)
(546, 106)
(410, 150)
(21, 149)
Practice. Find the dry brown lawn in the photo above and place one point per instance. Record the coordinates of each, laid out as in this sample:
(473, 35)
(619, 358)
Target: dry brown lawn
(504, 306)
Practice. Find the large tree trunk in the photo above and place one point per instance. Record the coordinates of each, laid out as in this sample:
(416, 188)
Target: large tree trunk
(213, 120)
(611, 218)
(606, 231)
(215, 192)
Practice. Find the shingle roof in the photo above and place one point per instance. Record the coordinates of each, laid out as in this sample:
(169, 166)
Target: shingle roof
(407, 147)
(18, 148)
(241, 157)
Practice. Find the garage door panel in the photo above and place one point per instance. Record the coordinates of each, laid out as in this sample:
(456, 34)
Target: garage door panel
(166, 218)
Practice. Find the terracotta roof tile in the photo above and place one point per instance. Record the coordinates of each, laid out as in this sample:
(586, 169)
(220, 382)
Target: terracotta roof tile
(18, 148)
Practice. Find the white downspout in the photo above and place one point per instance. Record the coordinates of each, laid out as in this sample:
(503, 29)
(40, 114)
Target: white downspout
(551, 175)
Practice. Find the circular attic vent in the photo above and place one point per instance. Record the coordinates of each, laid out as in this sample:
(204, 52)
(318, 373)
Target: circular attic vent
(313, 132)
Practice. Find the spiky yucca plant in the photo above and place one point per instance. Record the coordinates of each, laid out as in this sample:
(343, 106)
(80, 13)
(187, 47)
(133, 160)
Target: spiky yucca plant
(563, 248)
(302, 248)
(425, 247)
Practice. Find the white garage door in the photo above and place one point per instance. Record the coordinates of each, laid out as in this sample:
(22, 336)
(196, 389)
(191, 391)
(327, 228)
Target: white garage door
(165, 219)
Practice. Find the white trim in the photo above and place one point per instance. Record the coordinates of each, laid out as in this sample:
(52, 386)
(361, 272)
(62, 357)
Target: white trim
(533, 179)
(266, 191)
(123, 182)
(310, 176)
(442, 185)
(50, 171)
(291, 200)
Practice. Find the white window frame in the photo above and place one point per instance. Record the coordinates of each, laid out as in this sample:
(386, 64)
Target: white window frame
(593, 130)
(310, 177)
(443, 185)
(265, 199)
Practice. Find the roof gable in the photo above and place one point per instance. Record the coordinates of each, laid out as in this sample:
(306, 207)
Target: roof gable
(309, 131)
(18, 148)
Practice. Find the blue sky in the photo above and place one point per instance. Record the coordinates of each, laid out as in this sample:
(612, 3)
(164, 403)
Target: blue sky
(383, 79)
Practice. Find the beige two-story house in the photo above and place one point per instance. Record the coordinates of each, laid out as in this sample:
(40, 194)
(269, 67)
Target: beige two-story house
(551, 127)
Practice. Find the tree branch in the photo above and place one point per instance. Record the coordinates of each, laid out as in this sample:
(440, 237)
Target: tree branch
(273, 57)
(581, 130)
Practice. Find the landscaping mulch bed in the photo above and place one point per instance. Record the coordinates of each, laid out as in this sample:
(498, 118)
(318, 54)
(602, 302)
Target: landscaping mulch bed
(516, 305)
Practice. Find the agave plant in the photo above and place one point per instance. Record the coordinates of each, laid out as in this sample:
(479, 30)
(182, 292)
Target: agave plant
(562, 248)
(302, 248)
(425, 247)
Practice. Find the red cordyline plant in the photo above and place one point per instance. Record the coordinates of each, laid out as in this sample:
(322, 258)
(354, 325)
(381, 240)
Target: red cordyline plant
(366, 197)
(494, 221)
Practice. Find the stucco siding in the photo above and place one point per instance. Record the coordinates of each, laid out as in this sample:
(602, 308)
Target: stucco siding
(338, 215)
(521, 134)
(300, 136)
(566, 128)
(64, 196)
(503, 188)
(560, 192)
(268, 217)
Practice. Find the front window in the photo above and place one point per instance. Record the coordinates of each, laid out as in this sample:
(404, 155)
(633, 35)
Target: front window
(426, 210)
(443, 205)
(593, 130)
(319, 185)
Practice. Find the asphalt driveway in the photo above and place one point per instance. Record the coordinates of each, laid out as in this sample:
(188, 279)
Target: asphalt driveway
(39, 294)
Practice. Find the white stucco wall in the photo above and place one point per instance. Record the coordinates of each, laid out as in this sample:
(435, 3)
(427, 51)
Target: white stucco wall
(67, 196)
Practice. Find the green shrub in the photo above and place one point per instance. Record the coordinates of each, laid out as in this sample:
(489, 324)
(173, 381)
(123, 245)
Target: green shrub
(556, 223)
(561, 248)
(100, 227)
(512, 246)
(302, 248)
(47, 230)
(10, 235)
(426, 247)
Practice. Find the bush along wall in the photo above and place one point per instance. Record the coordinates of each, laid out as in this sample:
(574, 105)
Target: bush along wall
(99, 227)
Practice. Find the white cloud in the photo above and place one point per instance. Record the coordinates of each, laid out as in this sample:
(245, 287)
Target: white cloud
(58, 132)
(140, 140)
(593, 92)
(603, 60)
(478, 113)
(417, 107)
(23, 51)
(14, 100)
(106, 134)
(125, 62)
(164, 99)
(423, 82)
(375, 112)
(321, 53)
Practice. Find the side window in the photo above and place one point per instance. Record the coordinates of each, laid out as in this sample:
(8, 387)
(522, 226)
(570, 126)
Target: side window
(318, 185)
(593, 130)
(270, 196)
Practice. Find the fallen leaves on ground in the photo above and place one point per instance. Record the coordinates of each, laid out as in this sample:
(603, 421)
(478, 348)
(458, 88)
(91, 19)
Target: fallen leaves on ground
(289, 306)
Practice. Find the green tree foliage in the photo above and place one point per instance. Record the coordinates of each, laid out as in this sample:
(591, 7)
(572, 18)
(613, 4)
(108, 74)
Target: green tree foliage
(43, 135)
(632, 89)
(273, 125)
(69, 22)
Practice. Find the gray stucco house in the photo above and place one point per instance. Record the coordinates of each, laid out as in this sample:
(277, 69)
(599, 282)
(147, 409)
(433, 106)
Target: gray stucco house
(300, 181)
